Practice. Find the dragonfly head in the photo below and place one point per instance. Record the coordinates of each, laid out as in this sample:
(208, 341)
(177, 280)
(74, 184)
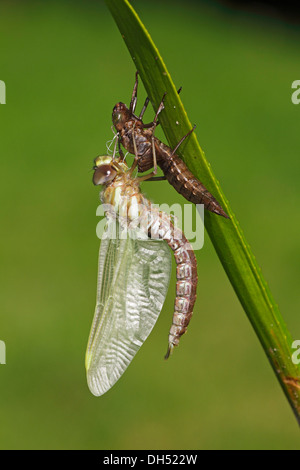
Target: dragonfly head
(106, 170)
(120, 115)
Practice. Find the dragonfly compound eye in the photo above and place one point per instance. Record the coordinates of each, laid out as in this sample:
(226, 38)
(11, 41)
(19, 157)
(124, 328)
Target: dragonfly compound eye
(103, 174)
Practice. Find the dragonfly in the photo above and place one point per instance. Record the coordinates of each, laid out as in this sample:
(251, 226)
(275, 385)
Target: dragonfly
(138, 138)
(134, 275)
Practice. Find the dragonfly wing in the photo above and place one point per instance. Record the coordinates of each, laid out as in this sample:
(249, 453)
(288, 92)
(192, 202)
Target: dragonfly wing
(133, 280)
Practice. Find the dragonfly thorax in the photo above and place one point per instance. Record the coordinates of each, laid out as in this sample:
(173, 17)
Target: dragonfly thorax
(124, 197)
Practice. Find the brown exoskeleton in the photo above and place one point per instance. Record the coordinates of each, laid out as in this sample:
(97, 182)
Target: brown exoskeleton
(138, 138)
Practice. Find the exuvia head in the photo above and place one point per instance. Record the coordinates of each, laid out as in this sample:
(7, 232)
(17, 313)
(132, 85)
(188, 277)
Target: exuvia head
(106, 169)
(120, 115)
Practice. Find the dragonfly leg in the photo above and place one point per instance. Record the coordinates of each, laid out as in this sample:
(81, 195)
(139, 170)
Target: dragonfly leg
(159, 110)
(136, 157)
(181, 140)
(145, 107)
(150, 177)
(153, 178)
(121, 153)
(134, 94)
(151, 124)
(153, 173)
(154, 156)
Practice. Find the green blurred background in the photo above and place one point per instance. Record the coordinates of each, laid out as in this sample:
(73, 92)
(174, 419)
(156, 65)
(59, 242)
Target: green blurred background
(65, 66)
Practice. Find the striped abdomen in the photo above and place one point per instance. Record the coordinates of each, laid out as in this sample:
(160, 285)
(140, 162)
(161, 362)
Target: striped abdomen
(186, 273)
(179, 176)
(183, 180)
(130, 205)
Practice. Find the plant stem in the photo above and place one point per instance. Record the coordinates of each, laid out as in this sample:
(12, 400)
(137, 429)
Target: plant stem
(226, 235)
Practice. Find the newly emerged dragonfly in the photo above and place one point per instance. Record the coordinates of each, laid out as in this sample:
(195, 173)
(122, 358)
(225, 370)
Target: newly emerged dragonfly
(134, 275)
(138, 138)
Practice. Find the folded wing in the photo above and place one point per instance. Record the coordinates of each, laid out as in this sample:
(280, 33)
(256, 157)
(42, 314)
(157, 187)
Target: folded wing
(133, 280)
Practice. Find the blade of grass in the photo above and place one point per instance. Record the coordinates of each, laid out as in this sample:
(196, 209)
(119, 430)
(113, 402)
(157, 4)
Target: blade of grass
(226, 235)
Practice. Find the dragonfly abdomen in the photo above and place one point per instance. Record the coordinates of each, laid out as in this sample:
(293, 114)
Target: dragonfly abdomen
(131, 206)
(185, 183)
(186, 287)
(186, 274)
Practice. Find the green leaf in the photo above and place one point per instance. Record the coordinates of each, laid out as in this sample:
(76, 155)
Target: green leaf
(226, 235)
